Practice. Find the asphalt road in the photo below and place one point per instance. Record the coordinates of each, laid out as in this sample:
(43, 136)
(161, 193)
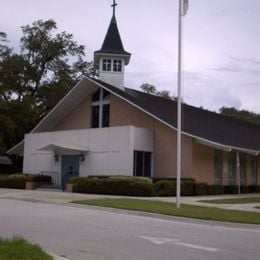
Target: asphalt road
(92, 234)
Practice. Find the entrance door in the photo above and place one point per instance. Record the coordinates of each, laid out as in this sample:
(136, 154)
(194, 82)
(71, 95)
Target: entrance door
(69, 168)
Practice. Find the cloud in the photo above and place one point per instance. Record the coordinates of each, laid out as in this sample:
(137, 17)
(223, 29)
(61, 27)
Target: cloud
(236, 69)
(247, 60)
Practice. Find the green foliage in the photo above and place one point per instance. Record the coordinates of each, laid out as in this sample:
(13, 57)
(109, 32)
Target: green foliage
(18, 180)
(129, 186)
(15, 181)
(156, 179)
(151, 89)
(230, 189)
(215, 189)
(165, 188)
(18, 248)
(201, 189)
(243, 115)
(253, 189)
(39, 178)
(35, 79)
(187, 188)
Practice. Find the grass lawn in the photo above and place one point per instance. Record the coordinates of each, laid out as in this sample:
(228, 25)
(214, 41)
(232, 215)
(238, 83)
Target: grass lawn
(167, 208)
(234, 201)
(19, 249)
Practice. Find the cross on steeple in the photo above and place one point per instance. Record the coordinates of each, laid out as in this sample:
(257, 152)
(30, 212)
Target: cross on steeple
(114, 6)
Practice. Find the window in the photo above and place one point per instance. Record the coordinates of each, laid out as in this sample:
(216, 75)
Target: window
(105, 115)
(232, 168)
(117, 65)
(242, 162)
(218, 167)
(100, 109)
(253, 170)
(112, 65)
(106, 65)
(95, 116)
(142, 163)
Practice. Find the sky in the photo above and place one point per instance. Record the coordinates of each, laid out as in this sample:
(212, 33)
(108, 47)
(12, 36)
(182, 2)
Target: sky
(221, 45)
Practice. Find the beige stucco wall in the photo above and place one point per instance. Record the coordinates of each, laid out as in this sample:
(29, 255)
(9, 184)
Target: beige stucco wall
(203, 163)
(78, 118)
(122, 113)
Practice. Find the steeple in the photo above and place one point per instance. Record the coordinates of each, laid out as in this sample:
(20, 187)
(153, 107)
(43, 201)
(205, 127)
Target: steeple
(112, 57)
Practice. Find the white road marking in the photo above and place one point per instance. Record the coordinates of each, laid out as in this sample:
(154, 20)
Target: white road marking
(159, 240)
(173, 241)
(210, 249)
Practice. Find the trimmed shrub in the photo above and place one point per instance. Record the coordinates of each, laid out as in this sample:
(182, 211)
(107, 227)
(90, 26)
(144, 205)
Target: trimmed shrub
(129, 186)
(201, 189)
(187, 188)
(231, 189)
(243, 189)
(15, 181)
(253, 189)
(40, 178)
(165, 188)
(172, 179)
(215, 189)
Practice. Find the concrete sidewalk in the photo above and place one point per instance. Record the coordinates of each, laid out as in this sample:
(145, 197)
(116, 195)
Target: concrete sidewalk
(58, 197)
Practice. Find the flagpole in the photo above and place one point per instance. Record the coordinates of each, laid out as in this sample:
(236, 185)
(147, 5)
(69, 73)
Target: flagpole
(178, 181)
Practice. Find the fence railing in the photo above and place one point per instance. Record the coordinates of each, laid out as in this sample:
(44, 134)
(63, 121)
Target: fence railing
(55, 176)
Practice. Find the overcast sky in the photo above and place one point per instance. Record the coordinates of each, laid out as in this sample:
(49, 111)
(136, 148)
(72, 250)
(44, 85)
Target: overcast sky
(221, 42)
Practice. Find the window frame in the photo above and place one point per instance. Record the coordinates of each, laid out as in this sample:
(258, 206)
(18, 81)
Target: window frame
(104, 100)
(112, 65)
(253, 166)
(107, 65)
(146, 160)
(218, 169)
(232, 164)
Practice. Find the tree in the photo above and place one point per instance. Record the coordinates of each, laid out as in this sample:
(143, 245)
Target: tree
(151, 89)
(243, 115)
(32, 81)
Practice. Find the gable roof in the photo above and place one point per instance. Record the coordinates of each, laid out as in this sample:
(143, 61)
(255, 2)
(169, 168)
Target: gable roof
(206, 127)
(199, 123)
(112, 43)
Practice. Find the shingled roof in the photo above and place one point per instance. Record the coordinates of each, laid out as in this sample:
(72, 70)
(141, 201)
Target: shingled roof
(204, 126)
(113, 43)
(196, 122)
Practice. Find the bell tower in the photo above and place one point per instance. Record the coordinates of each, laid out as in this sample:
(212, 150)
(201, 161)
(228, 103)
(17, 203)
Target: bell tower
(111, 59)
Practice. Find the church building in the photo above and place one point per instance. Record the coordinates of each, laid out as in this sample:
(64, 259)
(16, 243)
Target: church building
(102, 127)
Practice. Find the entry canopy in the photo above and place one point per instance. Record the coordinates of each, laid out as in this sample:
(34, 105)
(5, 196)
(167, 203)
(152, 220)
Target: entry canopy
(63, 148)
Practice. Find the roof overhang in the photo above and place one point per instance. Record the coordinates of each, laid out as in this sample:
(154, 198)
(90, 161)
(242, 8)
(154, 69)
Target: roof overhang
(63, 148)
(84, 88)
(17, 149)
(198, 139)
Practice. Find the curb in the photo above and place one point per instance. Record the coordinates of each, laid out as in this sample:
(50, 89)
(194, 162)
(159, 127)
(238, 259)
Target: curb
(57, 257)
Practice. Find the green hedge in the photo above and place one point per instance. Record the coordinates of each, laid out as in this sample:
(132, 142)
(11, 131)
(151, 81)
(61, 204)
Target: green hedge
(231, 189)
(165, 188)
(18, 180)
(40, 178)
(215, 189)
(172, 179)
(128, 186)
(253, 189)
(201, 189)
(14, 181)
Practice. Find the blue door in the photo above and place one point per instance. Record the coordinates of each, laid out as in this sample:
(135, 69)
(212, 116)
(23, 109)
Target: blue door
(69, 168)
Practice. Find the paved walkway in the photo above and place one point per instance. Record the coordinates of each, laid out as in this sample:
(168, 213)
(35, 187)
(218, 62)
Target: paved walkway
(58, 197)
